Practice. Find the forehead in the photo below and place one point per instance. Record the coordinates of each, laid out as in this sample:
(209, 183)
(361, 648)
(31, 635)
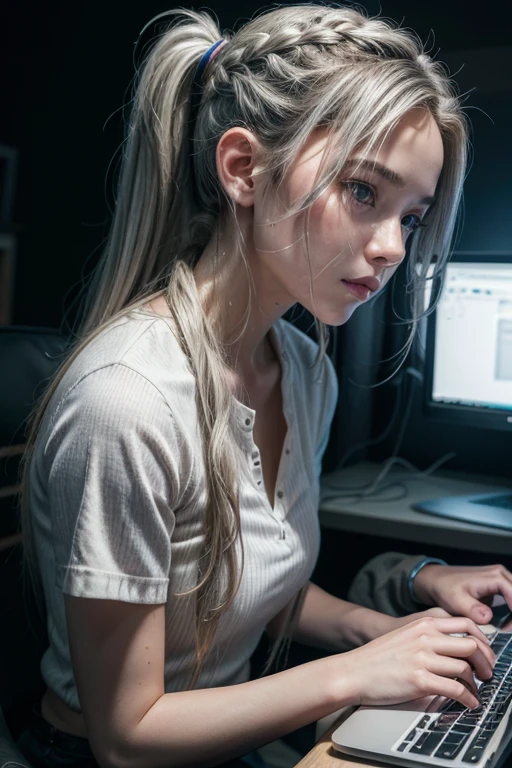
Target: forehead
(413, 149)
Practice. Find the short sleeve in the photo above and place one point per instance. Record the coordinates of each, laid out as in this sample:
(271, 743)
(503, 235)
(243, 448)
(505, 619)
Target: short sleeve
(113, 458)
(329, 399)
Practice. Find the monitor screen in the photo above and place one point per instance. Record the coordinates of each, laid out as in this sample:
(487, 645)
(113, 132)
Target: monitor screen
(468, 362)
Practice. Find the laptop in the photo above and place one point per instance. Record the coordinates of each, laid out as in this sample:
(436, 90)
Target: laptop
(435, 730)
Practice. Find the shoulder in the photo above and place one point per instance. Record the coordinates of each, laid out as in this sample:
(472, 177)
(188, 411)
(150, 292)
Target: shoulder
(112, 413)
(135, 363)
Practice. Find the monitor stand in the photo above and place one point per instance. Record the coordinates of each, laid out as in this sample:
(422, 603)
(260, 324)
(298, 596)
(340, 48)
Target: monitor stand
(491, 509)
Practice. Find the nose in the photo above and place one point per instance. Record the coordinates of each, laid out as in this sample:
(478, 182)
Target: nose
(386, 243)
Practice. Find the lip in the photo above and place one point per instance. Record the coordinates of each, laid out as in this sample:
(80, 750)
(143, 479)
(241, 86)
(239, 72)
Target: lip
(361, 292)
(362, 287)
(370, 282)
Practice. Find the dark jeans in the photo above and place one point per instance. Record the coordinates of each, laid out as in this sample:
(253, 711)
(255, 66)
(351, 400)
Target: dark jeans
(45, 746)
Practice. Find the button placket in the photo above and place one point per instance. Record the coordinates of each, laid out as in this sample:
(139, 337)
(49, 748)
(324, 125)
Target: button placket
(255, 461)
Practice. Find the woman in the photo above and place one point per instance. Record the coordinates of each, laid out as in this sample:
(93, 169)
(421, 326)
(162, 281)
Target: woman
(171, 479)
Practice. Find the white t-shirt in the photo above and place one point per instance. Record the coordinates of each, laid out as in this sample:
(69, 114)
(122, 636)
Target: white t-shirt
(118, 493)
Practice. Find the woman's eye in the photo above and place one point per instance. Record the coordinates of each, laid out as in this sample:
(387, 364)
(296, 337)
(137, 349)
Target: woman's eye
(412, 222)
(361, 192)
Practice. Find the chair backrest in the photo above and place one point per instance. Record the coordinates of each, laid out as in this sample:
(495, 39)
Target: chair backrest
(29, 356)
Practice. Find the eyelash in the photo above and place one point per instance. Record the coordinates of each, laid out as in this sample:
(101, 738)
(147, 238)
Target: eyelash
(352, 183)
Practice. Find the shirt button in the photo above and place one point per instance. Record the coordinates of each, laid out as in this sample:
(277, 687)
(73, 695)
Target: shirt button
(247, 421)
(256, 463)
(287, 450)
(255, 454)
(280, 494)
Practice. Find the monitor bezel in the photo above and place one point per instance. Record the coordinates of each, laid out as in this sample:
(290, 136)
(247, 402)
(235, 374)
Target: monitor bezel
(463, 415)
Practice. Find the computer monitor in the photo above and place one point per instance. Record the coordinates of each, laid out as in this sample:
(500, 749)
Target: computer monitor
(468, 369)
(468, 355)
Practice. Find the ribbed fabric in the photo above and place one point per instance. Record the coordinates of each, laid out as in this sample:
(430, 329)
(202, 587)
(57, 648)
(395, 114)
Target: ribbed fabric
(118, 494)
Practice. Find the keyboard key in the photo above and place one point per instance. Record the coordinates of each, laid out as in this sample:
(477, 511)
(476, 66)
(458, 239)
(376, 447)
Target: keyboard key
(474, 754)
(476, 748)
(472, 717)
(421, 740)
(491, 722)
(448, 719)
(452, 745)
(425, 746)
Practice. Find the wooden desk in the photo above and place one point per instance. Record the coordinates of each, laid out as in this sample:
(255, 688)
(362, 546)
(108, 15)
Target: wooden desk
(324, 756)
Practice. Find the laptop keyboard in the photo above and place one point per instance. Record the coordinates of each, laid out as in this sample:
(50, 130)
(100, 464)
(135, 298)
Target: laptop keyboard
(459, 732)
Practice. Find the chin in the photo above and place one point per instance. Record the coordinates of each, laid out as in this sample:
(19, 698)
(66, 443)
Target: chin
(336, 316)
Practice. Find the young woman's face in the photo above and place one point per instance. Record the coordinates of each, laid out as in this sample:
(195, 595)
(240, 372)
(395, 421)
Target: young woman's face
(358, 228)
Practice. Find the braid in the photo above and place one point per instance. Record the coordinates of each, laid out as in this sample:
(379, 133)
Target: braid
(359, 36)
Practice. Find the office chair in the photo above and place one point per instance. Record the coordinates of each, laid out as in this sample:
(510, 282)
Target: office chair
(28, 358)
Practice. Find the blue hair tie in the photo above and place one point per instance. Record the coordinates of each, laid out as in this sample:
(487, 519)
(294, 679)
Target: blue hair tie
(205, 58)
(195, 95)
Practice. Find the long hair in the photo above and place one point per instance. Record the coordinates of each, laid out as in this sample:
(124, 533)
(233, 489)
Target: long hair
(281, 75)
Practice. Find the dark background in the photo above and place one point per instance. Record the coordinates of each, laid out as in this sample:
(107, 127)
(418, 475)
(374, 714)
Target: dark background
(67, 73)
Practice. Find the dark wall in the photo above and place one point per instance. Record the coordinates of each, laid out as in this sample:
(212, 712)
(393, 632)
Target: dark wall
(67, 69)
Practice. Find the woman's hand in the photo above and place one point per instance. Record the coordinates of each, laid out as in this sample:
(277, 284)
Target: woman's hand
(391, 623)
(435, 613)
(464, 590)
(419, 659)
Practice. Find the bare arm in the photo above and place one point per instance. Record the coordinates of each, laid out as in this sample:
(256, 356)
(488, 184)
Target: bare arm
(329, 622)
(117, 651)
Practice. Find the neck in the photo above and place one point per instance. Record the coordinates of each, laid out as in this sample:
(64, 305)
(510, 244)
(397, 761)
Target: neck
(242, 307)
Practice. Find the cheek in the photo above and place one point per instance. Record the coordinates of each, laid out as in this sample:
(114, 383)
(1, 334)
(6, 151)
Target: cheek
(327, 231)
(337, 236)
(327, 219)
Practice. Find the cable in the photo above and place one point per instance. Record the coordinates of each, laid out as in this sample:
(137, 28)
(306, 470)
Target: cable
(365, 490)
(330, 490)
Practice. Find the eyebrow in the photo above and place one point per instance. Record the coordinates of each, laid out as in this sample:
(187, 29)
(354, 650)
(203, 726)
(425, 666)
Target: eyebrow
(386, 173)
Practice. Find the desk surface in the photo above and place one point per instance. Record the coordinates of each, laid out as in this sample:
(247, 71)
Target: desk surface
(324, 756)
(384, 514)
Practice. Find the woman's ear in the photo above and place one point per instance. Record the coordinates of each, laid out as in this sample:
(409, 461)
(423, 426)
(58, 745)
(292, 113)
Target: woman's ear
(236, 156)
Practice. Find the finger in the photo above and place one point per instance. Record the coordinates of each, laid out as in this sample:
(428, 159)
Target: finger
(502, 571)
(473, 609)
(495, 584)
(457, 669)
(452, 689)
(460, 624)
(484, 648)
(481, 658)
(481, 664)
